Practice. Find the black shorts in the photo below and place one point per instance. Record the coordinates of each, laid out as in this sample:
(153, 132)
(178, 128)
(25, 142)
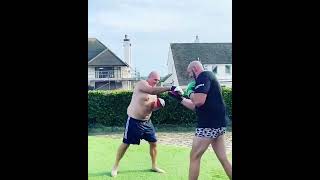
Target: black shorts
(138, 129)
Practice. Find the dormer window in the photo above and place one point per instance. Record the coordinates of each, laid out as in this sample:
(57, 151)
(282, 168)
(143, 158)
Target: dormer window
(205, 67)
(228, 69)
(215, 69)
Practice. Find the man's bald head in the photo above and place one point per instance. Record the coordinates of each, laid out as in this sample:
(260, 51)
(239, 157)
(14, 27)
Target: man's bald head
(194, 69)
(153, 74)
(195, 64)
(153, 78)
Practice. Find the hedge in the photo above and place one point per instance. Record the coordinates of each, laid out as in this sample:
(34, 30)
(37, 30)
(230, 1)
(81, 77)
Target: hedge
(109, 108)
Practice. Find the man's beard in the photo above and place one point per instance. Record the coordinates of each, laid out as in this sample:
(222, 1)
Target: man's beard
(194, 75)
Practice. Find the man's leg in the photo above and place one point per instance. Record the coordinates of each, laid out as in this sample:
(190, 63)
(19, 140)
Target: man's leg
(121, 150)
(199, 146)
(153, 154)
(150, 136)
(218, 145)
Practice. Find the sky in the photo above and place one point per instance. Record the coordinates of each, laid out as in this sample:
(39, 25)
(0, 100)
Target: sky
(151, 25)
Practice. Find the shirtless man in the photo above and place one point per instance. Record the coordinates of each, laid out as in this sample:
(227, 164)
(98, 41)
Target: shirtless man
(139, 126)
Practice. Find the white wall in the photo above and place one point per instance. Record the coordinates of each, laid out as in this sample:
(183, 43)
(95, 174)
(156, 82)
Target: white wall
(91, 73)
(127, 85)
(171, 69)
(124, 84)
(125, 73)
(91, 83)
(227, 84)
(221, 70)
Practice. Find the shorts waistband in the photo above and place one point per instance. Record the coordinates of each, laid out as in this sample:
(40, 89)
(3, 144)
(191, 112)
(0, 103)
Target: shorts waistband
(138, 120)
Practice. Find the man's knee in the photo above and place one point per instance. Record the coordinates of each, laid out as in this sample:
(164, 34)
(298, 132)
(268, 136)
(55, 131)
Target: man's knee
(194, 155)
(124, 146)
(153, 144)
(223, 159)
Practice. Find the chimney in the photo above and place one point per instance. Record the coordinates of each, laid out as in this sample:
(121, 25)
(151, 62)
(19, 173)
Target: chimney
(197, 39)
(127, 50)
(198, 59)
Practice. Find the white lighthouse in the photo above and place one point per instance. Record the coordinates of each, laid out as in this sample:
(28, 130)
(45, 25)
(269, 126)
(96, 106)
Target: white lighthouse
(127, 53)
(127, 50)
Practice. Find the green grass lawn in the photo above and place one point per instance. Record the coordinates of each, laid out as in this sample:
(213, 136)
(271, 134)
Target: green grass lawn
(136, 163)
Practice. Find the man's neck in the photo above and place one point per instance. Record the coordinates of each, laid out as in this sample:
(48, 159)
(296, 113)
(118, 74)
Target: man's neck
(199, 74)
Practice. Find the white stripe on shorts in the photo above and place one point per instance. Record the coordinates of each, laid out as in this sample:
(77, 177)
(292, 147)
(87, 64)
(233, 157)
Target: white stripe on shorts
(126, 130)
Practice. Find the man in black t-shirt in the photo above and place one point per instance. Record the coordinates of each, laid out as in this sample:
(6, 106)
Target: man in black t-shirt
(205, 97)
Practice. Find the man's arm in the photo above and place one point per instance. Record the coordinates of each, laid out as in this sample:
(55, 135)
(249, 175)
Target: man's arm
(145, 87)
(199, 96)
(188, 104)
(185, 102)
(198, 99)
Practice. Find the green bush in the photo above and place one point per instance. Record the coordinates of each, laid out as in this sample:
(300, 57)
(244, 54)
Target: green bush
(109, 108)
(227, 95)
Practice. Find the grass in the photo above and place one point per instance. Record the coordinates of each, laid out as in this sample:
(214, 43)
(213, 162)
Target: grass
(136, 163)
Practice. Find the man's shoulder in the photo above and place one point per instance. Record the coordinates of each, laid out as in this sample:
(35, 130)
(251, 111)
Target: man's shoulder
(209, 75)
(140, 84)
(205, 75)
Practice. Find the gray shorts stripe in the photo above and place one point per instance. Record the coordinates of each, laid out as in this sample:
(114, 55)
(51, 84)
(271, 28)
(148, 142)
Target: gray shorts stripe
(126, 130)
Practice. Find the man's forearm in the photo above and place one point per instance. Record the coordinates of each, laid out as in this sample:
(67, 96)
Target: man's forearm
(188, 104)
(158, 90)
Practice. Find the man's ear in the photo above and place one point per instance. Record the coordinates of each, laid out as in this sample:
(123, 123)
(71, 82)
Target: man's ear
(195, 69)
(192, 70)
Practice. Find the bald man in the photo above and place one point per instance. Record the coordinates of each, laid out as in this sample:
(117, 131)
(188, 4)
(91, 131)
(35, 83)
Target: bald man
(139, 126)
(205, 97)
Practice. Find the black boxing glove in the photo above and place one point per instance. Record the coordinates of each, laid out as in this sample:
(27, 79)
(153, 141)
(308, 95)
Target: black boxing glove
(175, 95)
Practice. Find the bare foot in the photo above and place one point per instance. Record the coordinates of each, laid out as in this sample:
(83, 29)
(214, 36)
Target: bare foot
(156, 169)
(114, 171)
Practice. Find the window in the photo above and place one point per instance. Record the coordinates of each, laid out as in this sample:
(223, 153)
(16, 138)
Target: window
(205, 67)
(215, 69)
(104, 72)
(117, 72)
(228, 69)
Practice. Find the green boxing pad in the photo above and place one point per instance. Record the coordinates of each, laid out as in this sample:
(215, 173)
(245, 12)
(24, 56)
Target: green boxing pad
(190, 88)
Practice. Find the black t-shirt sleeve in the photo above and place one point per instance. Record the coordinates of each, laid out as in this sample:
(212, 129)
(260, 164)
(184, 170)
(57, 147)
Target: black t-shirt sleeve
(202, 85)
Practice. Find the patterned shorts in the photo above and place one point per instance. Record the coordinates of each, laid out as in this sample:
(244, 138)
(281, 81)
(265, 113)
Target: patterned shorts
(210, 132)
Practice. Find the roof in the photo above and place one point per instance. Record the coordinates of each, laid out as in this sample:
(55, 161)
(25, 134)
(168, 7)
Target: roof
(94, 47)
(163, 79)
(100, 55)
(106, 58)
(208, 53)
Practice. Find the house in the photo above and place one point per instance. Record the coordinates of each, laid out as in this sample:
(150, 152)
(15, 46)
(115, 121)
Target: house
(106, 70)
(215, 57)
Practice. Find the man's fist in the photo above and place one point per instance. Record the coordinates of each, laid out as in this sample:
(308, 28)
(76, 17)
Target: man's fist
(177, 89)
(158, 104)
(190, 89)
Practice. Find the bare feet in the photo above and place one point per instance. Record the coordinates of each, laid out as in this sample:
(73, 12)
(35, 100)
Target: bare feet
(156, 169)
(114, 171)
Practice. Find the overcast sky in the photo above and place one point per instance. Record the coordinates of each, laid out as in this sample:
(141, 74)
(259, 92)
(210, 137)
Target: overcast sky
(152, 25)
